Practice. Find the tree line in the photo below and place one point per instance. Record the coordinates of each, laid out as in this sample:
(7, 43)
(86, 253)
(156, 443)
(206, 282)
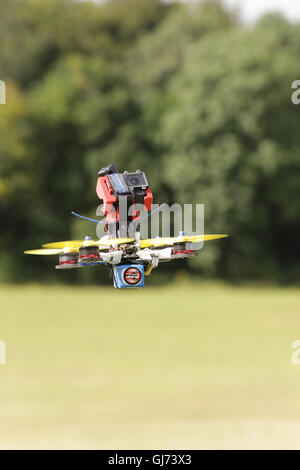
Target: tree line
(198, 100)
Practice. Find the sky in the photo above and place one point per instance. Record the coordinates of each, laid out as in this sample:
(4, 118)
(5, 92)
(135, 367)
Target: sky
(253, 9)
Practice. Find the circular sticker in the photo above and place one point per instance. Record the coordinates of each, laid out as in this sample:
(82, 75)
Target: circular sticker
(132, 276)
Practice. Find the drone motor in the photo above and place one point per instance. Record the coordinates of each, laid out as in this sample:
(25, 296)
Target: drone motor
(89, 253)
(68, 258)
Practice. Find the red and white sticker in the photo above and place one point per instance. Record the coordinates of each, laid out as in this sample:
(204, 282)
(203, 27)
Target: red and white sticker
(132, 276)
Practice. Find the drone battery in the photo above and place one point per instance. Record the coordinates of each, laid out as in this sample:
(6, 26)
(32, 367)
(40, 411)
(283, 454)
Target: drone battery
(89, 253)
(128, 276)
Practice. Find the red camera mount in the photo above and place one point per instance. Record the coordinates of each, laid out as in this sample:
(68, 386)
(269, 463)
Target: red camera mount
(128, 189)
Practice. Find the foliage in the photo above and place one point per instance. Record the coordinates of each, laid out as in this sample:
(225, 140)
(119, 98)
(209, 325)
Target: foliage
(190, 95)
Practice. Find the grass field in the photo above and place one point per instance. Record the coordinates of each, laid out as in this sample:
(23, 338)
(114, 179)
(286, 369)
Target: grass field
(188, 366)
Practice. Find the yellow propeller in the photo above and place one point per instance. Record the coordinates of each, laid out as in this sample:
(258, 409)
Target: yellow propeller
(103, 244)
(202, 238)
(66, 244)
(163, 241)
(115, 241)
(43, 251)
(74, 245)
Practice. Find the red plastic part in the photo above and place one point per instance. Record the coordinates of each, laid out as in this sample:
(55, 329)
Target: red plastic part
(148, 199)
(105, 192)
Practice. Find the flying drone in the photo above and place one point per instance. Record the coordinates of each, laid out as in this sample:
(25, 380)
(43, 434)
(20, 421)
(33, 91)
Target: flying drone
(130, 258)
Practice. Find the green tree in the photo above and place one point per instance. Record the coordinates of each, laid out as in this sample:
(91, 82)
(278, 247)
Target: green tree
(232, 143)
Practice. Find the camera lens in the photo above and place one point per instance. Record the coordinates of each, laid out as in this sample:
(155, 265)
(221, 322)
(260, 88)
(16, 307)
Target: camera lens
(133, 181)
(136, 180)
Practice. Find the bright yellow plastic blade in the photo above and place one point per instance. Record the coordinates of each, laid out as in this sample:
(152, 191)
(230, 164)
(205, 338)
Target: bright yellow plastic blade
(201, 238)
(43, 251)
(115, 241)
(74, 245)
(164, 241)
(161, 241)
(66, 244)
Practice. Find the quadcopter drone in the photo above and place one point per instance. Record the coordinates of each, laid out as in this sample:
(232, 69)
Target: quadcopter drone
(129, 257)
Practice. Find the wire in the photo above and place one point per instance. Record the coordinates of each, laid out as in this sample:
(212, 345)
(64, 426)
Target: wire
(87, 218)
(104, 220)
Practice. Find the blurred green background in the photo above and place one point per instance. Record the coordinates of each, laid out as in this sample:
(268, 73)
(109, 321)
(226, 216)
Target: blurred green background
(202, 103)
(192, 96)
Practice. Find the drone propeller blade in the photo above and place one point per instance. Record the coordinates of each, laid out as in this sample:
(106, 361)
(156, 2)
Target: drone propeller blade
(43, 251)
(74, 245)
(66, 244)
(165, 241)
(202, 238)
(159, 241)
(115, 241)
